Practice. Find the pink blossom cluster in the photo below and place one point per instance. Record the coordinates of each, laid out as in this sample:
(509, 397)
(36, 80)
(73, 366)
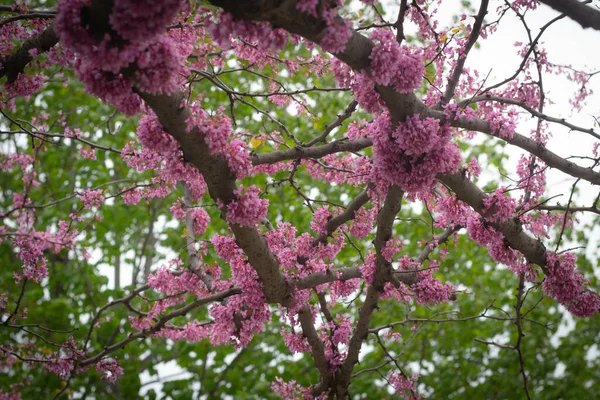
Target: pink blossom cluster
(226, 247)
(367, 269)
(404, 385)
(159, 67)
(401, 68)
(335, 335)
(497, 207)
(290, 390)
(216, 131)
(31, 252)
(26, 83)
(430, 290)
(240, 319)
(110, 369)
(153, 137)
(262, 35)
(337, 32)
(172, 283)
(161, 153)
(139, 21)
(391, 248)
(493, 240)
(565, 284)
(62, 363)
(320, 218)
(363, 222)
(296, 342)
(398, 160)
(340, 168)
(99, 63)
(450, 211)
(193, 331)
(248, 209)
(92, 198)
(25, 162)
(201, 220)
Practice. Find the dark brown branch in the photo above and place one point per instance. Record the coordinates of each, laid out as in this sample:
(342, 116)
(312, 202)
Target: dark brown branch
(539, 150)
(317, 348)
(221, 186)
(399, 25)
(15, 64)
(511, 229)
(385, 222)
(32, 15)
(298, 152)
(587, 17)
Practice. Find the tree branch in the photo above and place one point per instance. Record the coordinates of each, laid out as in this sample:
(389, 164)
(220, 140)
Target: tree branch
(587, 17)
(385, 222)
(15, 64)
(221, 186)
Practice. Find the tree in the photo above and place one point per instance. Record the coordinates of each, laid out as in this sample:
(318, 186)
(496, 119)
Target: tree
(284, 199)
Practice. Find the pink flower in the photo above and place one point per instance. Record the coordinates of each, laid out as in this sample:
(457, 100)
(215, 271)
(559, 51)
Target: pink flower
(110, 369)
(140, 21)
(92, 198)
(563, 282)
(498, 207)
(248, 209)
(404, 385)
(585, 305)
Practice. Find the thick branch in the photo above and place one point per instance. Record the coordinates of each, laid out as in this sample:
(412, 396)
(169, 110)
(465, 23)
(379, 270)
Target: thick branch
(587, 17)
(385, 222)
(221, 186)
(511, 229)
(317, 348)
(551, 159)
(15, 64)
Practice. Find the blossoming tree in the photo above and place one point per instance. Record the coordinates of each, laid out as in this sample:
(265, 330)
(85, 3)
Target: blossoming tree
(286, 196)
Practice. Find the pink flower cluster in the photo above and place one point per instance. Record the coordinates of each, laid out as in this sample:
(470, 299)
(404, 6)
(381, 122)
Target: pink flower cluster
(290, 390)
(31, 252)
(201, 220)
(337, 33)
(363, 222)
(320, 218)
(248, 209)
(487, 236)
(430, 290)
(99, 62)
(565, 284)
(140, 21)
(167, 282)
(216, 131)
(412, 155)
(110, 369)
(261, 34)
(404, 385)
(497, 207)
(92, 198)
(390, 65)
